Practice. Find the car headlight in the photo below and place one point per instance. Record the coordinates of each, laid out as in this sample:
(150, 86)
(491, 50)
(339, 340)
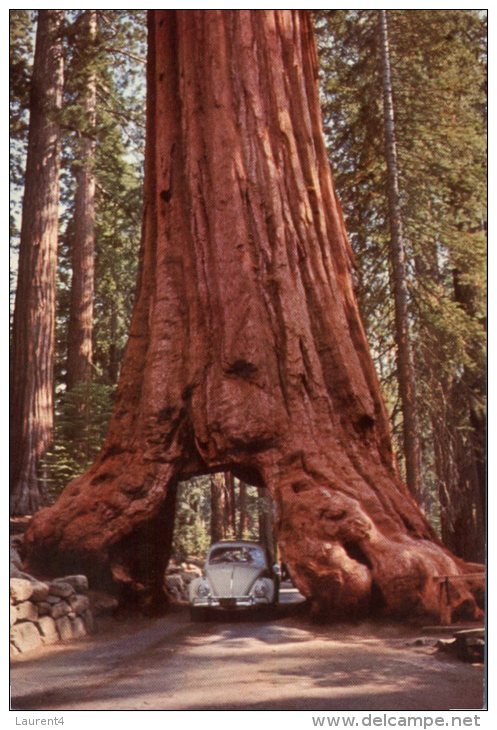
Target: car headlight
(203, 589)
(261, 589)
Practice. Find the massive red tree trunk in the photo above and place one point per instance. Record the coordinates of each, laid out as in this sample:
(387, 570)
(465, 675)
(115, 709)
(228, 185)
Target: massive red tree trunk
(34, 314)
(246, 351)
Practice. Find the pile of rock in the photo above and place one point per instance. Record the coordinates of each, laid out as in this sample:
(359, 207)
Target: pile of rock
(177, 579)
(47, 612)
(468, 645)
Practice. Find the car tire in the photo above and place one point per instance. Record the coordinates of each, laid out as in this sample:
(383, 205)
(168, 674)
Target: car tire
(199, 613)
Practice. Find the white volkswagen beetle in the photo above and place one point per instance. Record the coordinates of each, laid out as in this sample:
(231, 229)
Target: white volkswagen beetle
(238, 574)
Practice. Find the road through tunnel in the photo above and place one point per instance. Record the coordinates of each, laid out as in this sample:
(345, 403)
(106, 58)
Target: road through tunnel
(210, 508)
(153, 564)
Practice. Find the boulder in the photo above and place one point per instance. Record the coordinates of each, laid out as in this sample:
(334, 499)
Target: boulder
(79, 603)
(15, 558)
(40, 590)
(44, 608)
(48, 630)
(78, 582)
(174, 581)
(52, 600)
(20, 590)
(78, 628)
(25, 636)
(61, 588)
(15, 572)
(59, 609)
(88, 619)
(27, 611)
(102, 603)
(176, 588)
(22, 574)
(64, 628)
(13, 615)
(189, 575)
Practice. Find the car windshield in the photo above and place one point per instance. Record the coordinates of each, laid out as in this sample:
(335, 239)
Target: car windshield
(252, 556)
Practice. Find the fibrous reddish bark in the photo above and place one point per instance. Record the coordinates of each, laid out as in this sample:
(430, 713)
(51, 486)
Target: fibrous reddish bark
(80, 330)
(33, 333)
(218, 506)
(246, 350)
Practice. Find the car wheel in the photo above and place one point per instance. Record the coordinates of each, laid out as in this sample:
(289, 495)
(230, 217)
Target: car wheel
(198, 613)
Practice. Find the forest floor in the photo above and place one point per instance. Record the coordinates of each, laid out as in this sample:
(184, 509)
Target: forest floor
(246, 662)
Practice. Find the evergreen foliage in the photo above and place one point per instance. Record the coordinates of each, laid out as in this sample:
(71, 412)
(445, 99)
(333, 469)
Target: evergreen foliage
(117, 59)
(81, 418)
(21, 57)
(192, 535)
(438, 67)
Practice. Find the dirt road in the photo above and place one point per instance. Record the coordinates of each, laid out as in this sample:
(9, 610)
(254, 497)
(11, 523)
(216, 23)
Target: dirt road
(169, 663)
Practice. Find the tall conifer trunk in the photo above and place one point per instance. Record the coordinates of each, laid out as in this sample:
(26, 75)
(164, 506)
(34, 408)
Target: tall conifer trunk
(80, 331)
(405, 365)
(230, 505)
(34, 314)
(246, 351)
(218, 506)
(242, 502)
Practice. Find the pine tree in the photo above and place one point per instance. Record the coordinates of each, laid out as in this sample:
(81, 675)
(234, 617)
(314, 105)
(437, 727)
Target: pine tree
(100, 230)
(438, 78)
(405, 365)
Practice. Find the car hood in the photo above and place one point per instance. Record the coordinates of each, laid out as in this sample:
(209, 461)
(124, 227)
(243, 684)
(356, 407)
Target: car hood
(232, 580)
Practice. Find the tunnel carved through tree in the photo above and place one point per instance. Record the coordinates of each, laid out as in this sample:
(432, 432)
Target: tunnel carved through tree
(246, 350)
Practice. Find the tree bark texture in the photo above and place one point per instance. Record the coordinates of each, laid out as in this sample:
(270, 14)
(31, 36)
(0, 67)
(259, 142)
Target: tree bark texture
(405, 365)
(34, 313)
(218, 506)
(242, 501)
(230, 504)
(246, 351)
(80, 330)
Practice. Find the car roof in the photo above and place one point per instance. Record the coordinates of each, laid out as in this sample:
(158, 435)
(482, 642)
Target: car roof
(236, 543)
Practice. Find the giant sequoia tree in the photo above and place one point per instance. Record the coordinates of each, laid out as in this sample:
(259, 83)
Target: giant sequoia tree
(33, 332)
(246, 351)
(79, 352)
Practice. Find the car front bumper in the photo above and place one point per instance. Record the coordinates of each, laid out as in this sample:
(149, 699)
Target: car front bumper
(229, 603)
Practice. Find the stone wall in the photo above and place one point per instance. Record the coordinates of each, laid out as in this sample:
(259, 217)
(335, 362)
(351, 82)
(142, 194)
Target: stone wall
(177, 579)
(46, 612)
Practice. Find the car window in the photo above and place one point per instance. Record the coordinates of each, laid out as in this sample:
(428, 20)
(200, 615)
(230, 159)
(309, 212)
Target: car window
(251, 556)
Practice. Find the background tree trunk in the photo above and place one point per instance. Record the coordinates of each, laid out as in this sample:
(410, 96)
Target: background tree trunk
(242, 501)
(80, 330)
(405, 366)
(230, 504)
(218, 505)
(246, 350)
(266, 534)
(34, 314)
